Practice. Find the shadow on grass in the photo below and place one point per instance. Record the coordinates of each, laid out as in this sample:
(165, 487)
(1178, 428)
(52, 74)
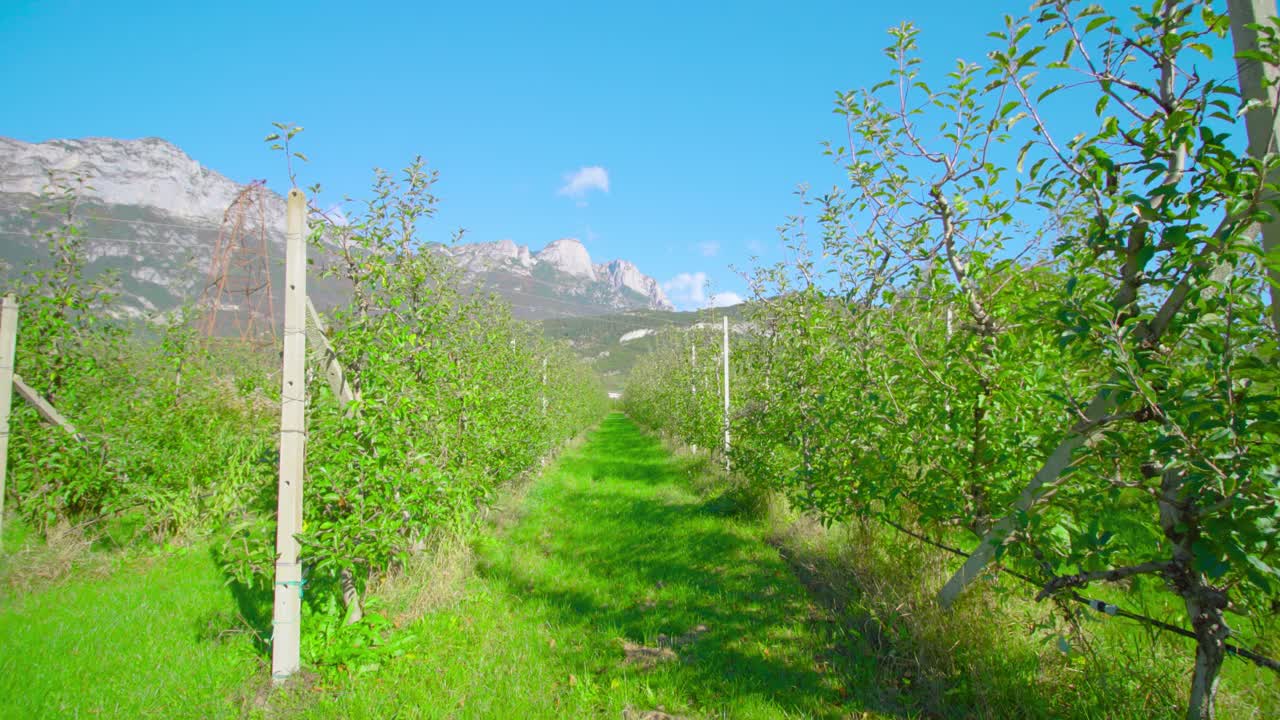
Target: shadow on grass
(252, 614)
(619, 548)
(634, 555)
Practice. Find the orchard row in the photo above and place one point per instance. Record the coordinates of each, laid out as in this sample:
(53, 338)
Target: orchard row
(1041, 333)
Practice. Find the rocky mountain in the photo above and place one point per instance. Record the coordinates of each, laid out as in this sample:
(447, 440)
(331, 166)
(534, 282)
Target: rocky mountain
(151, 214)
(569, 257)
(148, 173)
(559, 280)
(622, 274)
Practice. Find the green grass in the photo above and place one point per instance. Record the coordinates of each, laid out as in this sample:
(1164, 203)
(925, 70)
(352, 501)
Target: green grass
(140, 642)
(614, 545)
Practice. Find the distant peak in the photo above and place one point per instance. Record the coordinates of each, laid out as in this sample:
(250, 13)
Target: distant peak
(158, 141)
(565, 242)
(87, 142)
(147, 172)
(568, 255)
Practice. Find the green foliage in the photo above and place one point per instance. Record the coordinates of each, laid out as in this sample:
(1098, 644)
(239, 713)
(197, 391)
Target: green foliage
(612, 543)
(926, 365)
(358, 648)
(449, 404)
(167, 430)
(183, 451)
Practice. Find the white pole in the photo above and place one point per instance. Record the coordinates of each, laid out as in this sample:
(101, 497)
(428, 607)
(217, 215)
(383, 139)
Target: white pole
(693, 377)
(286, 629)
(544, 386)
(8, 345)
(693, 366)
(726, 393)
(1258, 84)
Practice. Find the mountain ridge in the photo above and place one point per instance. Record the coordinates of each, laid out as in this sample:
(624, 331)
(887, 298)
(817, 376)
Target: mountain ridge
(568, 256)
(151, 213)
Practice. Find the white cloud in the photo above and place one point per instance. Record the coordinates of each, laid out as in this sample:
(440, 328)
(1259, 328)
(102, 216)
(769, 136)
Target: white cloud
(756, 247)
(687, 291)
(585, 179)
(725, 299)
(709, 249)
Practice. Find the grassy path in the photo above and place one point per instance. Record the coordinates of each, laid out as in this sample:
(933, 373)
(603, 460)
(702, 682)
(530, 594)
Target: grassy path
(614, 551)
(614, 590)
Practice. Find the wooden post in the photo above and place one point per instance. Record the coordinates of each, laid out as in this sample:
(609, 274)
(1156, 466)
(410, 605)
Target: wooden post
(8, 350)
(726, 393)
(693, 367)
(44, 408)
(286, 630)
(333, 370)
(1258, 84)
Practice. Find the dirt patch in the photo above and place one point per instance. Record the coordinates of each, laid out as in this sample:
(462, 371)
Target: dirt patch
(630, 713)
(646, 657)
(260, 695)
(685, 639)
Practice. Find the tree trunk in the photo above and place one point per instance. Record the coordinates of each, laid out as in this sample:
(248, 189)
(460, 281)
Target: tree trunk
(350, 597)
(1204, 607)
(1205, 604)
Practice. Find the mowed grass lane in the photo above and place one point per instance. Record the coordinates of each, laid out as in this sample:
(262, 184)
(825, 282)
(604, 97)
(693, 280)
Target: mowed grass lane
(619, 591)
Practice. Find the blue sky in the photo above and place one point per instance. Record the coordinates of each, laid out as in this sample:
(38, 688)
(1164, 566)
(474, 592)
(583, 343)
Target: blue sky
(702, 118)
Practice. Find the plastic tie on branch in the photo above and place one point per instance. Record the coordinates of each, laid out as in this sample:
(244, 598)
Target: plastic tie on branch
(289, 583)
(1102, 607)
